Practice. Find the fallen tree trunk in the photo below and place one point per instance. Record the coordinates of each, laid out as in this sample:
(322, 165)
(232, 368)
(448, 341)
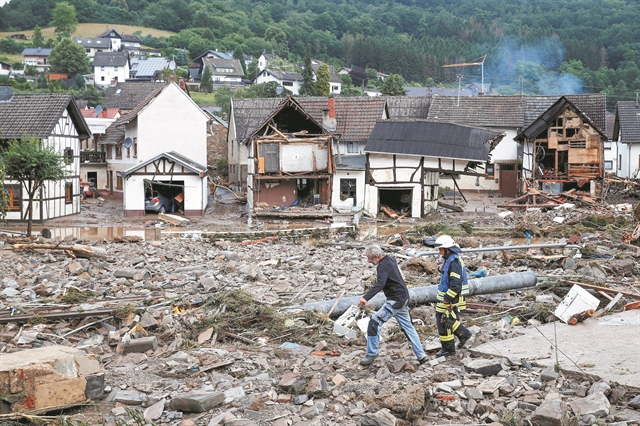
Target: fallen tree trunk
(427, 294)
(78, 250)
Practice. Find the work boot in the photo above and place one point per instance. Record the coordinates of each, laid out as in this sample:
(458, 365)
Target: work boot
(367, 360)
(469, 337)
(444, 352)
(423, 359)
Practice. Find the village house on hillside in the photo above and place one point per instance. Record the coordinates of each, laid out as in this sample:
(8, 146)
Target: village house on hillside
(160, 146)
(110, 67)
(93, 45)
(126, 95)
(405, 160)
(37, 57)
(122, 42)
(225, 69)
(55, 120)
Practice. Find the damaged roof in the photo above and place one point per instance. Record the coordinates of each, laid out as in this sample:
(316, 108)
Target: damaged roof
(408, 107)
(627, 125)
(431, 139)
(249, 114)
(355, 116)
(546, 118)
(36, 115)
(511, 111)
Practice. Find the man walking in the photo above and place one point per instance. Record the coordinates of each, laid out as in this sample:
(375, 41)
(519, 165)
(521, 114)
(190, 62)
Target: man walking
(391, 282)
(451, 291)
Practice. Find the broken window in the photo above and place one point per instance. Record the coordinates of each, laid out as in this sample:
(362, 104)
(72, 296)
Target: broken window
(348, 189)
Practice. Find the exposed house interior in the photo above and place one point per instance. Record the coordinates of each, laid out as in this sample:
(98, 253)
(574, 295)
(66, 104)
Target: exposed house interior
(397, 200)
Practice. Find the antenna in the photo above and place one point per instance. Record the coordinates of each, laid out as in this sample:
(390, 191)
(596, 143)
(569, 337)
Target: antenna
(477, 62)
(127, 143)
(98, 110)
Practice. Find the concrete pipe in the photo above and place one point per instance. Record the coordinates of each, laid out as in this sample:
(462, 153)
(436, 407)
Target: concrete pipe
(422, 295)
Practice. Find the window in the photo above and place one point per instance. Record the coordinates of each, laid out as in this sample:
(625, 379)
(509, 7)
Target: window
(135, 147)
(490, 170)
(607, 144)
(348, 189)
(68, 156)
(68, 193)
(108, 153)
(115, 69)
(334, 89)
(128, 152)
(88, 50)
(620, 162)
(352, 147)
(608, 165)
(118, 152)
(14, 195)
(118, 181)
(102, 78)
(101, 68)
(287, 83)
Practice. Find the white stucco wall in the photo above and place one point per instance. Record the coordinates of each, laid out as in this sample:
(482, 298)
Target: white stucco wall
(358, 175)
(110, 73)
(630, 155)
(301, 157)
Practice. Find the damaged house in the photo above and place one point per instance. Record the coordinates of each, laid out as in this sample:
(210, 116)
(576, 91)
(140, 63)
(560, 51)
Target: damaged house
(405, 160)
(563, 149)
(289, 161)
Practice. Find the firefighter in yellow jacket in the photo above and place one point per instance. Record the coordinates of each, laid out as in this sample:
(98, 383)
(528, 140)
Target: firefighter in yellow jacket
(452, 289)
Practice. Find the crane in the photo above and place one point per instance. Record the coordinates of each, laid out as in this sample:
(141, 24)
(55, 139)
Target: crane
(477, 62)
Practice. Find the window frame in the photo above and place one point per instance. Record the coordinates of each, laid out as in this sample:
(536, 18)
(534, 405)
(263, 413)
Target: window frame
(14, 196)
(68, 192)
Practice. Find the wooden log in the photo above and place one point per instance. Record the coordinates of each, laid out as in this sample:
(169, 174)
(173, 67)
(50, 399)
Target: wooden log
(173, 219)
(576, 318)
(78, 250)
(260, 240)
(242, 339)
(450, 207)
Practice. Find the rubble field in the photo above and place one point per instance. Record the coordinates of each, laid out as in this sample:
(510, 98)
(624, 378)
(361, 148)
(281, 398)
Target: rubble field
(203, 329)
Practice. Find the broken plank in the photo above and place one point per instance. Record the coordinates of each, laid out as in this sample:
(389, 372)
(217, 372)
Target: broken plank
(607, 308)
(450, 207)
(214, 366)
(260, 240)
(596, 287)
(173, 219)
(78, 250)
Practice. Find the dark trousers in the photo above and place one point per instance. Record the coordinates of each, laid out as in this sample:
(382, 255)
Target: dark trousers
(449, 327)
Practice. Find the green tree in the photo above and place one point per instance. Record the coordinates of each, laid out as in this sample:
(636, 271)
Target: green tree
(222, 97)
(32, 164)
(92, 95)
(238, 54)
(392, 86)
(279, 38)
(206, 81)
(38, 38)
(308, 87)
(252, 68)
(64, 20)
(323, 86)
(69, 57)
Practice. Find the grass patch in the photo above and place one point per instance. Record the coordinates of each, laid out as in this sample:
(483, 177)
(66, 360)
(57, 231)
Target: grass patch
(74, 295)
(202, 98)
(93, 29)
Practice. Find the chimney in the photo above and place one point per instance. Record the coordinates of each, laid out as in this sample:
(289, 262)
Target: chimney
(172, 77)
(182, 84)
(329, 115)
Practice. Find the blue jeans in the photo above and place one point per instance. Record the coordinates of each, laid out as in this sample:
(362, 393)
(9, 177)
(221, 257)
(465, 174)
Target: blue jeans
(385, 313)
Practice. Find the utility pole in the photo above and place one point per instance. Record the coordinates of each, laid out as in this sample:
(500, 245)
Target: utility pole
(477, 62)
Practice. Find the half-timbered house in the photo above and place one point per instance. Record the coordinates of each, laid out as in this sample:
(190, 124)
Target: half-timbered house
(55, 120)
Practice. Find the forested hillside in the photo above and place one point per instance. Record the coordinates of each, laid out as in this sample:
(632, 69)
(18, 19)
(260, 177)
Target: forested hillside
(531, 45)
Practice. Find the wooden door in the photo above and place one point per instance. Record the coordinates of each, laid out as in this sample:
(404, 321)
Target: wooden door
(509, 183)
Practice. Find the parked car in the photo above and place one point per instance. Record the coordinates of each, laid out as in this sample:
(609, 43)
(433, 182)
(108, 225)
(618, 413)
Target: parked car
(157, 203)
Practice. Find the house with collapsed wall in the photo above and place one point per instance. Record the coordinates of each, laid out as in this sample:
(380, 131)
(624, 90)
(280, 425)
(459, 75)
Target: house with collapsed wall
(406, 158)
(563, 149)
(159, 146)
(56, 121)
(505, 170)
(289, 161)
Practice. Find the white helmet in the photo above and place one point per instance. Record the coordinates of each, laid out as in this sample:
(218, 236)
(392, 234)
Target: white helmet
(444, 241)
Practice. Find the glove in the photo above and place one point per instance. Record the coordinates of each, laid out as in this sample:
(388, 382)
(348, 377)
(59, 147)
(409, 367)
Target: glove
(449, 307)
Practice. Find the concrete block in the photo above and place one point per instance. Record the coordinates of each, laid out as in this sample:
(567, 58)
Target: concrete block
(197, 402)
(34, 380)
(141, 345)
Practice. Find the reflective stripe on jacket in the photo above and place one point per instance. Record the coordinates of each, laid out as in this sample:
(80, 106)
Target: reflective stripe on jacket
(456, 299)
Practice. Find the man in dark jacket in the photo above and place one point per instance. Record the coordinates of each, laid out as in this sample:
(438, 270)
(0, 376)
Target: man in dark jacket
(391, 282)
(451, 291)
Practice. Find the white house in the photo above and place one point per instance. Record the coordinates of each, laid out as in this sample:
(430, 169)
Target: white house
(263, 60)
(37, 57)
(93, 45)
(6, 68)
(55, 120)
(110, 67)
(167, 121)
(626, 135)
(291, 81)
(122, 42)
(335, 82)
(225, 70)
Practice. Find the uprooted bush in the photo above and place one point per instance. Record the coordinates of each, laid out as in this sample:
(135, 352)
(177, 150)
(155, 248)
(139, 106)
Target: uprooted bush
(238, 313)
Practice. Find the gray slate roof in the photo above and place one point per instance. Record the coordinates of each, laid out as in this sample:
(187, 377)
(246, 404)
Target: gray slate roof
(93, 43)
(249, 114)
(215, 64)
(408, 107)
(35, 115)
(430, 139)
(627, 125)
(511, 111)
(124, 37)
(283, 75)
(36, 51)
(437, 91)
(128, 94)
(110, 59)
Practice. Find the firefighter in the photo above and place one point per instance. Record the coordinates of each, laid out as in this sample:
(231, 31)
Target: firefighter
(452, 289)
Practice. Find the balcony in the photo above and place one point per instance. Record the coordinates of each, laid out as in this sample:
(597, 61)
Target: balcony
(92, 157)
